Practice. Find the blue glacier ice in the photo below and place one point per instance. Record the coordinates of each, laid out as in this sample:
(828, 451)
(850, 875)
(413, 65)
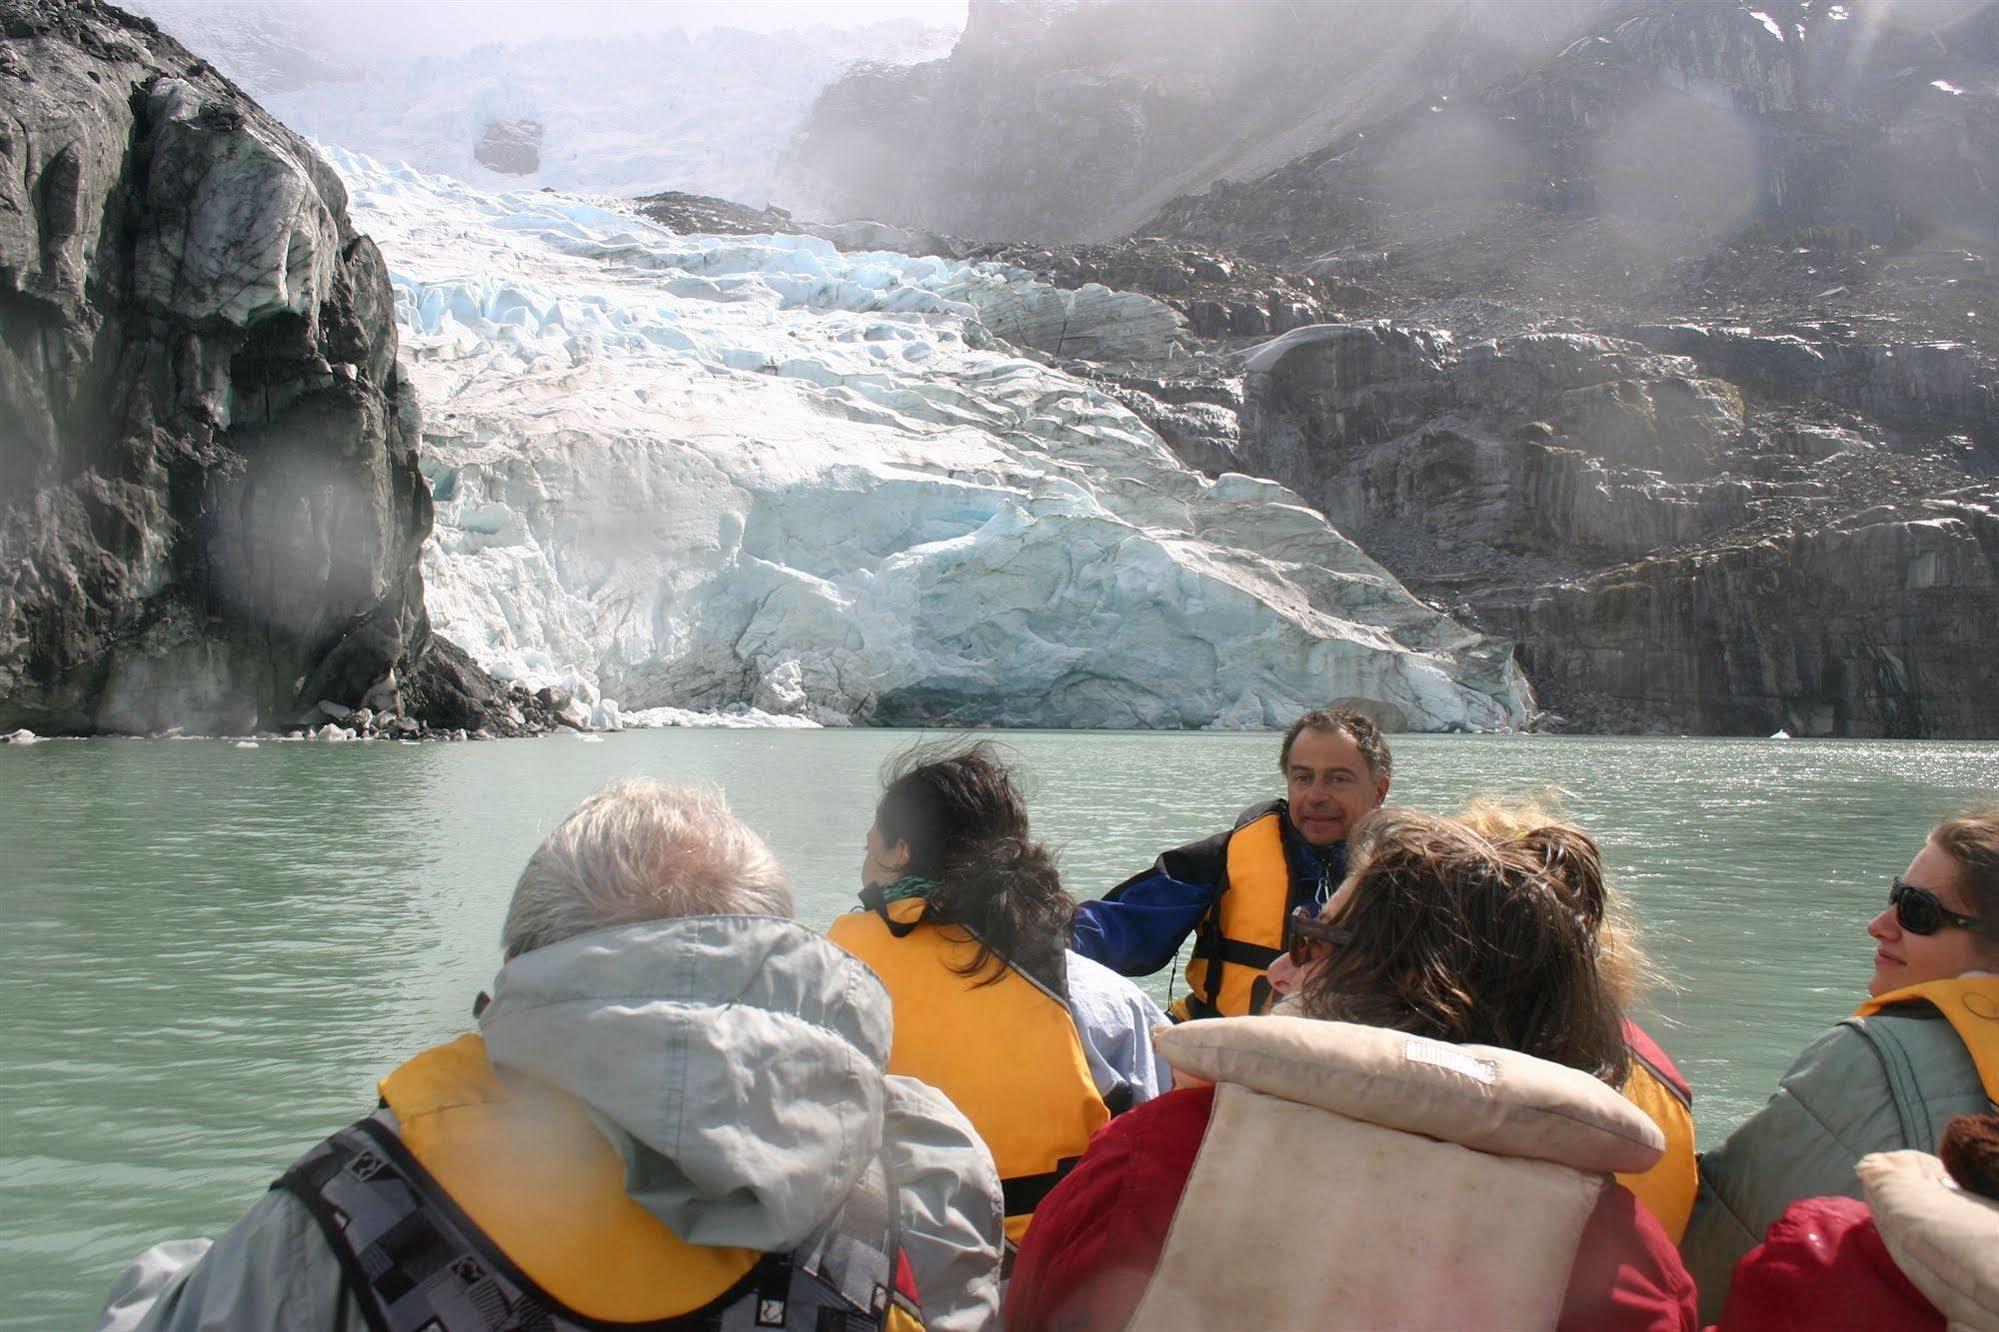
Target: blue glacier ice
(762, 476)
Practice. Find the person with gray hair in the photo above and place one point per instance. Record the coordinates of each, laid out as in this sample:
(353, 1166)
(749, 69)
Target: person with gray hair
(674, 1111)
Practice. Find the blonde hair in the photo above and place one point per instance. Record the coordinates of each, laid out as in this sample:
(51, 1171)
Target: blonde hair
(1573, 860)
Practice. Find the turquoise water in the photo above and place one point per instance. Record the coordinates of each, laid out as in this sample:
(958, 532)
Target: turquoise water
(209, 954)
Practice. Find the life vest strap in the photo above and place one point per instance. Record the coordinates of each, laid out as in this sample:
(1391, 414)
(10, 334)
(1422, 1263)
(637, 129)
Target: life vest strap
(306, 1181)
(410, 1257)
(1023, 1193)
(1240, 953)
(1196, 1006)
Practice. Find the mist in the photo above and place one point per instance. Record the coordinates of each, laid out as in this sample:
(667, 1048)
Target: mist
(358, 31)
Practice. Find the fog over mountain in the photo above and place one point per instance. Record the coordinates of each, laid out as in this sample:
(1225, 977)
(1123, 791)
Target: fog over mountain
(619, 99)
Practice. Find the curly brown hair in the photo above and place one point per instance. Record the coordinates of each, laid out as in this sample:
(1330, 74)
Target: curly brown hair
(1464, 939)
(1362, 729)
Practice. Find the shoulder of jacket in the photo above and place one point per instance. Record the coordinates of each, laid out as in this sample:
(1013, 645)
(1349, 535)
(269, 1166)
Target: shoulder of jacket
(1257, 811)
(1918, 1032)
(1842, 1074)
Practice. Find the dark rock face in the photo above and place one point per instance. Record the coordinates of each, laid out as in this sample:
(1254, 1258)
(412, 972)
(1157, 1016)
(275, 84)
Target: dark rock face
(1876, 624)
(714, 217)
(210, 509)
(1669, 548)
(510, 146)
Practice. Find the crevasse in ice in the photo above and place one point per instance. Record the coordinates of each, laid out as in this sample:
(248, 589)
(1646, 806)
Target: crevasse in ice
(756, 474)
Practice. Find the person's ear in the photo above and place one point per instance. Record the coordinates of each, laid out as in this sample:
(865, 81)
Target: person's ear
(896, 856)
(1381, 793)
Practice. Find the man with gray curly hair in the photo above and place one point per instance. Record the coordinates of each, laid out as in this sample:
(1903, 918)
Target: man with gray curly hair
(675, 1107)
(638, 851)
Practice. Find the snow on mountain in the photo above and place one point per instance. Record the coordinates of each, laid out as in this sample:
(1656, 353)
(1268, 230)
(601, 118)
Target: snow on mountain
(614, 112)
(755, 472)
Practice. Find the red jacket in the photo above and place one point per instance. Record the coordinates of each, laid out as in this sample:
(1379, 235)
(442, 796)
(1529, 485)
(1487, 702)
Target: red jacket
(1823, 1268)
(1085, 1261)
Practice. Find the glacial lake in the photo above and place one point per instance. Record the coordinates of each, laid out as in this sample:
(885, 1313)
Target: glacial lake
(209, 954)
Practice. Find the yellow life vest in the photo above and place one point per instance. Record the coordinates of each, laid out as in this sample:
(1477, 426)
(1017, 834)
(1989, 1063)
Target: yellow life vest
(1006, 1053)
(531, 1171)
(1668, 1188)
(1243, 932)
(499, 1203)
(1971, 1005)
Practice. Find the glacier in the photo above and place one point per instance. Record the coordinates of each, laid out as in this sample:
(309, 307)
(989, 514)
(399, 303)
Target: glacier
(758, 475)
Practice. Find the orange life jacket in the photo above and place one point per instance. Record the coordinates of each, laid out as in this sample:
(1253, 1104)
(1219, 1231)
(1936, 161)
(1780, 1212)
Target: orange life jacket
(1971, 1005)
(1243, 933)
(1007, 1053)
(1668, 1188)
(496, 1202)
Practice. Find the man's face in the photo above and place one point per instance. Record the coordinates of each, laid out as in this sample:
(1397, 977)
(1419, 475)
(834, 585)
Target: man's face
(1329, 786)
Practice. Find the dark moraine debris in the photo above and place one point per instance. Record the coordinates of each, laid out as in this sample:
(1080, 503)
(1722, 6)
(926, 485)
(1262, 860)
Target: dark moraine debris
(210, 508)
(510, 146)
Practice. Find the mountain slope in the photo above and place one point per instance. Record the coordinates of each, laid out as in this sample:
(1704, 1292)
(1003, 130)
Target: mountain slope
(1056, 121)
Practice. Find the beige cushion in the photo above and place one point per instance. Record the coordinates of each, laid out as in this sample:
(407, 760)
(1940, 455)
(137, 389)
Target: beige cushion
(1479, 1096)
(1945, 1240)
(1295, 1217)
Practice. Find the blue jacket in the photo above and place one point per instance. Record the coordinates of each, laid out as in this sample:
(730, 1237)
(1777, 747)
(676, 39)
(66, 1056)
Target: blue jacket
(1138, 926)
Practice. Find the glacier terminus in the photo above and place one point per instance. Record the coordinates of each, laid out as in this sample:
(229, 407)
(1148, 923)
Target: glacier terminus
(758, 475)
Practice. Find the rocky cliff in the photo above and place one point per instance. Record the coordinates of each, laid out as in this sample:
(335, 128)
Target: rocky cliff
(1691, 156)
(210, 508)
(1669, 547)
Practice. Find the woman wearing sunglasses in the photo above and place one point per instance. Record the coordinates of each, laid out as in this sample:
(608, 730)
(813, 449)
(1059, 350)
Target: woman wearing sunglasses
(1446, 966)
(1923, 1049)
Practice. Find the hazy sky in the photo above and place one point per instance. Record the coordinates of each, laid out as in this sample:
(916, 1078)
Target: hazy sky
(444, 24)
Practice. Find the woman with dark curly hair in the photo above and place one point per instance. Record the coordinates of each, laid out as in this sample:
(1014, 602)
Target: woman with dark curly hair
(965, 919)
(1421, 1137)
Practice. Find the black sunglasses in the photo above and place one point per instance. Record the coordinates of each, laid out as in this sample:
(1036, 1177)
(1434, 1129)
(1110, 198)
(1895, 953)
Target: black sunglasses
(1306, 927)
(1919, 911)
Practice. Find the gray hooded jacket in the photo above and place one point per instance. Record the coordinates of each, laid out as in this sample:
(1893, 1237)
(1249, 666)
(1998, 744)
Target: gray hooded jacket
(734, 1062)
(1871, 1084)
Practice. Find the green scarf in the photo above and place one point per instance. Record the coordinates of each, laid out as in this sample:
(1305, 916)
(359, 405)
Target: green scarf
(909, 885)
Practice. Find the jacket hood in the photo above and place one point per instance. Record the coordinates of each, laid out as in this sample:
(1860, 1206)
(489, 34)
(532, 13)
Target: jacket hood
(736, 1063)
